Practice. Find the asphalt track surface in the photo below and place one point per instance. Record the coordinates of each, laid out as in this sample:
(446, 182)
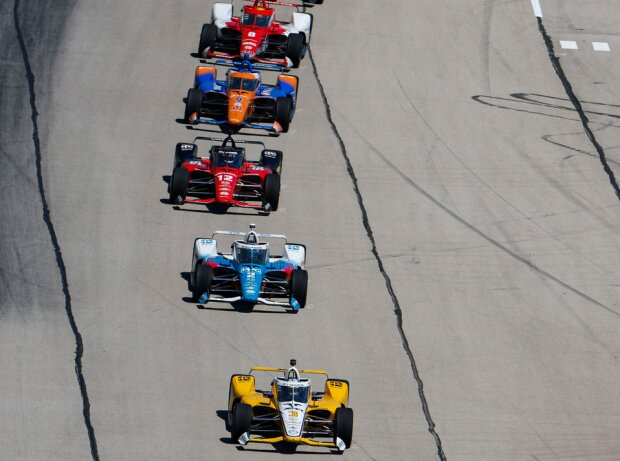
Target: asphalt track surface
(454, 183)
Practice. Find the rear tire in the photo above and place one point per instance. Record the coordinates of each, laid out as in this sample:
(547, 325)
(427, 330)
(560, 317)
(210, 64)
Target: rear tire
(193, 103)
(343, 426)
(241, 421)
(294, 48)
(299, 286)
(178, 186)
(202, 281)
(284, 112)
(271, 191)
(208, 37)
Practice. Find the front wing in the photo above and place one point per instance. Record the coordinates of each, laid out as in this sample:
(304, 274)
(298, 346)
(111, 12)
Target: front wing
(274, 128)
(224, 288)
(338, 445)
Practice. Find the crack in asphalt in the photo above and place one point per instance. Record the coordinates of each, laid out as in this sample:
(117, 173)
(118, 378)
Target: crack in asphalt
(555, 61)
(388, 282)
(54, 239)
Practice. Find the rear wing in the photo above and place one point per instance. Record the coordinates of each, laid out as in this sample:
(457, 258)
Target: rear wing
(304, 3)
(227, 139)
(284, 370)
(237, 63)
(271, 236)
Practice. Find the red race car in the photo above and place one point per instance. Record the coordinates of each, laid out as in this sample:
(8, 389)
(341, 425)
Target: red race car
(256, 35)
(225, 177)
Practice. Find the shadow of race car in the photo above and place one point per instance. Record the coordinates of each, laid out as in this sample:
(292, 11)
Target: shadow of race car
(256, 34)
(241, 100)
(290, 411)
(226, 177)
(249, 273)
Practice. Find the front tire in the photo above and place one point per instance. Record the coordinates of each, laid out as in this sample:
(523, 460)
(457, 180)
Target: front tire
(294, 48)
(202, 281)
(343, 426)
(193, 103)
(241, 421)
(208, 37)
(178, 185)
(184, 152)
(271, 191)
(284, 112)
(299, 286)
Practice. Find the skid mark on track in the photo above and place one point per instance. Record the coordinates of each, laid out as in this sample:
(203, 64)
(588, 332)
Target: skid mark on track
(498, 245)
(487, 185)
(555, 62)
(481, 234)
(388, 282)
(79, 345)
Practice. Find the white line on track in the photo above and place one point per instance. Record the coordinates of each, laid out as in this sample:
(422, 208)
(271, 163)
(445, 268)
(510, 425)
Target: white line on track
(537, 8)
(569, 45)
(601, 46)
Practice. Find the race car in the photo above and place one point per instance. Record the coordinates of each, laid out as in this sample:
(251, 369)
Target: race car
(241, 100)
(256, 33)
(290, 411)
(249, 273)
(225, 176)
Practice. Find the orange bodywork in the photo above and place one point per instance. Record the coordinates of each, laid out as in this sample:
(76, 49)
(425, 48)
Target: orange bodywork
(290, 79)
(241, 101)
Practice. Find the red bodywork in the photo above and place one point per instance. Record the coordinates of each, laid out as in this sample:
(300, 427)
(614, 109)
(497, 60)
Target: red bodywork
(253, 37)
(229, 183)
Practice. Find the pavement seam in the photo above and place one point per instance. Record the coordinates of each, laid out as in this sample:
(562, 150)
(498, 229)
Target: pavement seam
(54, 239)
(388, 282)
(557, 66)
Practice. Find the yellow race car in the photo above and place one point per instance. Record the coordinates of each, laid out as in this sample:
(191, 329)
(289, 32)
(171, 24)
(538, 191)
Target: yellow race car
(290, 411)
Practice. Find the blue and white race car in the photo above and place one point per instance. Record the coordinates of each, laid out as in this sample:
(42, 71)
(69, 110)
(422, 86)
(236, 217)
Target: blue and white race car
(249, 273)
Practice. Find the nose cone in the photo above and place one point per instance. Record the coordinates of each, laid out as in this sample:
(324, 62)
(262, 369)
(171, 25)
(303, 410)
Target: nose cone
(248, 49)
(250, 42)
(238, 105)
(225, 184)
(251, 280)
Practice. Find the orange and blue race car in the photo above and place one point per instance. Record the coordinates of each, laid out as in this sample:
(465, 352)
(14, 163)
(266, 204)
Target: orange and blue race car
(257, 34)
(290, 411)
(241, 100)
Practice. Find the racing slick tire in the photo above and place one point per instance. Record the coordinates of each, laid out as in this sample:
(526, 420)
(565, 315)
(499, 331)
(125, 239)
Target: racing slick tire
(202, 281)
(184, 152)
(193, 103)
(284, 112)
(343, 426)
(208, 37)
(271, 191)
(295, 48)
(241, 421)
(178, 185)
(272, 159)
(299, 286)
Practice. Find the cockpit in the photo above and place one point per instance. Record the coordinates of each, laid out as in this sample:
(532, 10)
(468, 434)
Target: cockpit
(257, 20)
(242, 83)
(299, 392)
(228, 157)
(251, 253)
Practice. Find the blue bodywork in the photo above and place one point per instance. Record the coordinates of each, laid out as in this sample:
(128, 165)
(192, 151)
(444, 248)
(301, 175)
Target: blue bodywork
(207, 83)
(251, 277)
